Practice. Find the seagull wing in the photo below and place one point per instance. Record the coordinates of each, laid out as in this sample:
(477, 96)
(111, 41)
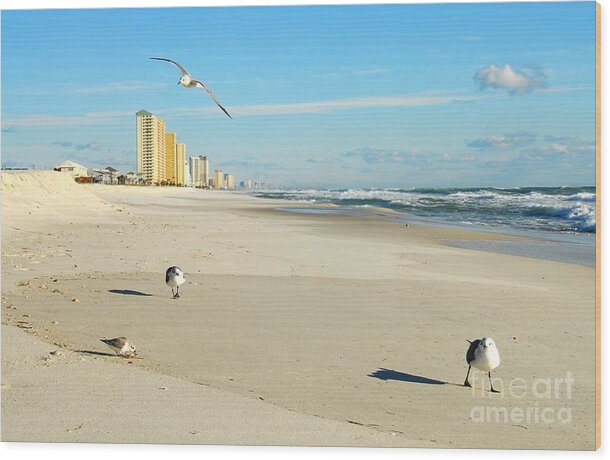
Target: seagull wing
(471, 349)
(211, 94)
(182, 69)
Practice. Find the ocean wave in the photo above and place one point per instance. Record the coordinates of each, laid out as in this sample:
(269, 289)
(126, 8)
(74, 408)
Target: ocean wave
(561, 209)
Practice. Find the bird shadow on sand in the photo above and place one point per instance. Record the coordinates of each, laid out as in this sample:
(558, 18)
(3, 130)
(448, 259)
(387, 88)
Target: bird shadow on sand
(128, 292)
(390, 374)
(96, 353)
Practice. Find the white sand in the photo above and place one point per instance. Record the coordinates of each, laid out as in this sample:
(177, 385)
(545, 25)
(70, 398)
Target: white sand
(291, 329)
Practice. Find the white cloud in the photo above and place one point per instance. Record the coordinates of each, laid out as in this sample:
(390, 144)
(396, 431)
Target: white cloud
(88, 119)
(122, 86)
(503, 141)
(514, 81)
(329, 106)
(110, 118)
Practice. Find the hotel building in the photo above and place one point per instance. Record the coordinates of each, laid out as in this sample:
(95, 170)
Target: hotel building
(218, 179)
(180, 160)
(150, 147)
(200, 170)
(170, 158)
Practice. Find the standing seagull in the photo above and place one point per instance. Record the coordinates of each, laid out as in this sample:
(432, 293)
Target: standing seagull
(483, 355)
(174, 277)
(188, 81)
(121, 347)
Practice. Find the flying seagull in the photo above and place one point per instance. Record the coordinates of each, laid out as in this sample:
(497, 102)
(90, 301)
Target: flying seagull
(188, 81)
(483, 355)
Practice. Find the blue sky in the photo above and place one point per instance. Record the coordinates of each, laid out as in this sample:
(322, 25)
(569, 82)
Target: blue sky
(322, 96)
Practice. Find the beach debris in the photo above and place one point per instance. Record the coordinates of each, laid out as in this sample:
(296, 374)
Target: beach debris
(27, 315)
(483, 355)
(23, 283)
(54, 322)
(70, 430)
(75, 300)
(121, 346)
(514, 338)
(6, 386)
(56, 291)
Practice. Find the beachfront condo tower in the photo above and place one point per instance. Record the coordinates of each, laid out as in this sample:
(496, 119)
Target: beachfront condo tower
(205, 179)
(180, 160)
(150, 147)
(218, 179)
(200, 170)
(171, 151)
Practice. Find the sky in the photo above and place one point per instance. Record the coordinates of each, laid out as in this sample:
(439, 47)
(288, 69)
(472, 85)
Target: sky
(349, 96)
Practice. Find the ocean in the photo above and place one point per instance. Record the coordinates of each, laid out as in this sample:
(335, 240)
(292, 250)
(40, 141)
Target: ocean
(548, 209)
(561, 219)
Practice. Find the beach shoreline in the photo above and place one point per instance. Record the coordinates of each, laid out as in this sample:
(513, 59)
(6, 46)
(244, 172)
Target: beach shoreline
(334, 329)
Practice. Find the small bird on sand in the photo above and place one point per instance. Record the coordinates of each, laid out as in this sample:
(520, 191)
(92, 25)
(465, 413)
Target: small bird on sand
(174, 277)
(189, 82)
(483, 355)
(121, 346)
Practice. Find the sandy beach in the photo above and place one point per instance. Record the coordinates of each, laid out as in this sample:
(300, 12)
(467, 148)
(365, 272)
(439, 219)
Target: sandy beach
(292, 329)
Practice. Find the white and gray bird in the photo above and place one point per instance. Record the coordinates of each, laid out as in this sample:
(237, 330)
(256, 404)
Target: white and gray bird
(174, 278)
(121, 346)
(483, 355)
(188, 81)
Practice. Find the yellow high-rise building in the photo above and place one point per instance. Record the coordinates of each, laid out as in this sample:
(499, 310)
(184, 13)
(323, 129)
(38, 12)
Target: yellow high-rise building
(218, 179)
(170, 158)
(180, 160)
(150, 147)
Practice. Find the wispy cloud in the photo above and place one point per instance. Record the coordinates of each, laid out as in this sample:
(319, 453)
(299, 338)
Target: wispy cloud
(91, 146)
(567, 145)
(119, 87)
(357, 72)
(376, 155)
(515, 82)
(88, 119)
(119, 117)
(331, 105)
(503, 141)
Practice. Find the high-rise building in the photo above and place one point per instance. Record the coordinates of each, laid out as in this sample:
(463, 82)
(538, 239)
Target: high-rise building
(200, 168)
(180, 159)
(150, 147)
(218, 179)
(187, 174)
(170, 158)
(230, 181)
(195, 168)
(205, 178)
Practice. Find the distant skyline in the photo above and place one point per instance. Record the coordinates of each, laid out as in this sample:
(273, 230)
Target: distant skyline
(413, 95)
